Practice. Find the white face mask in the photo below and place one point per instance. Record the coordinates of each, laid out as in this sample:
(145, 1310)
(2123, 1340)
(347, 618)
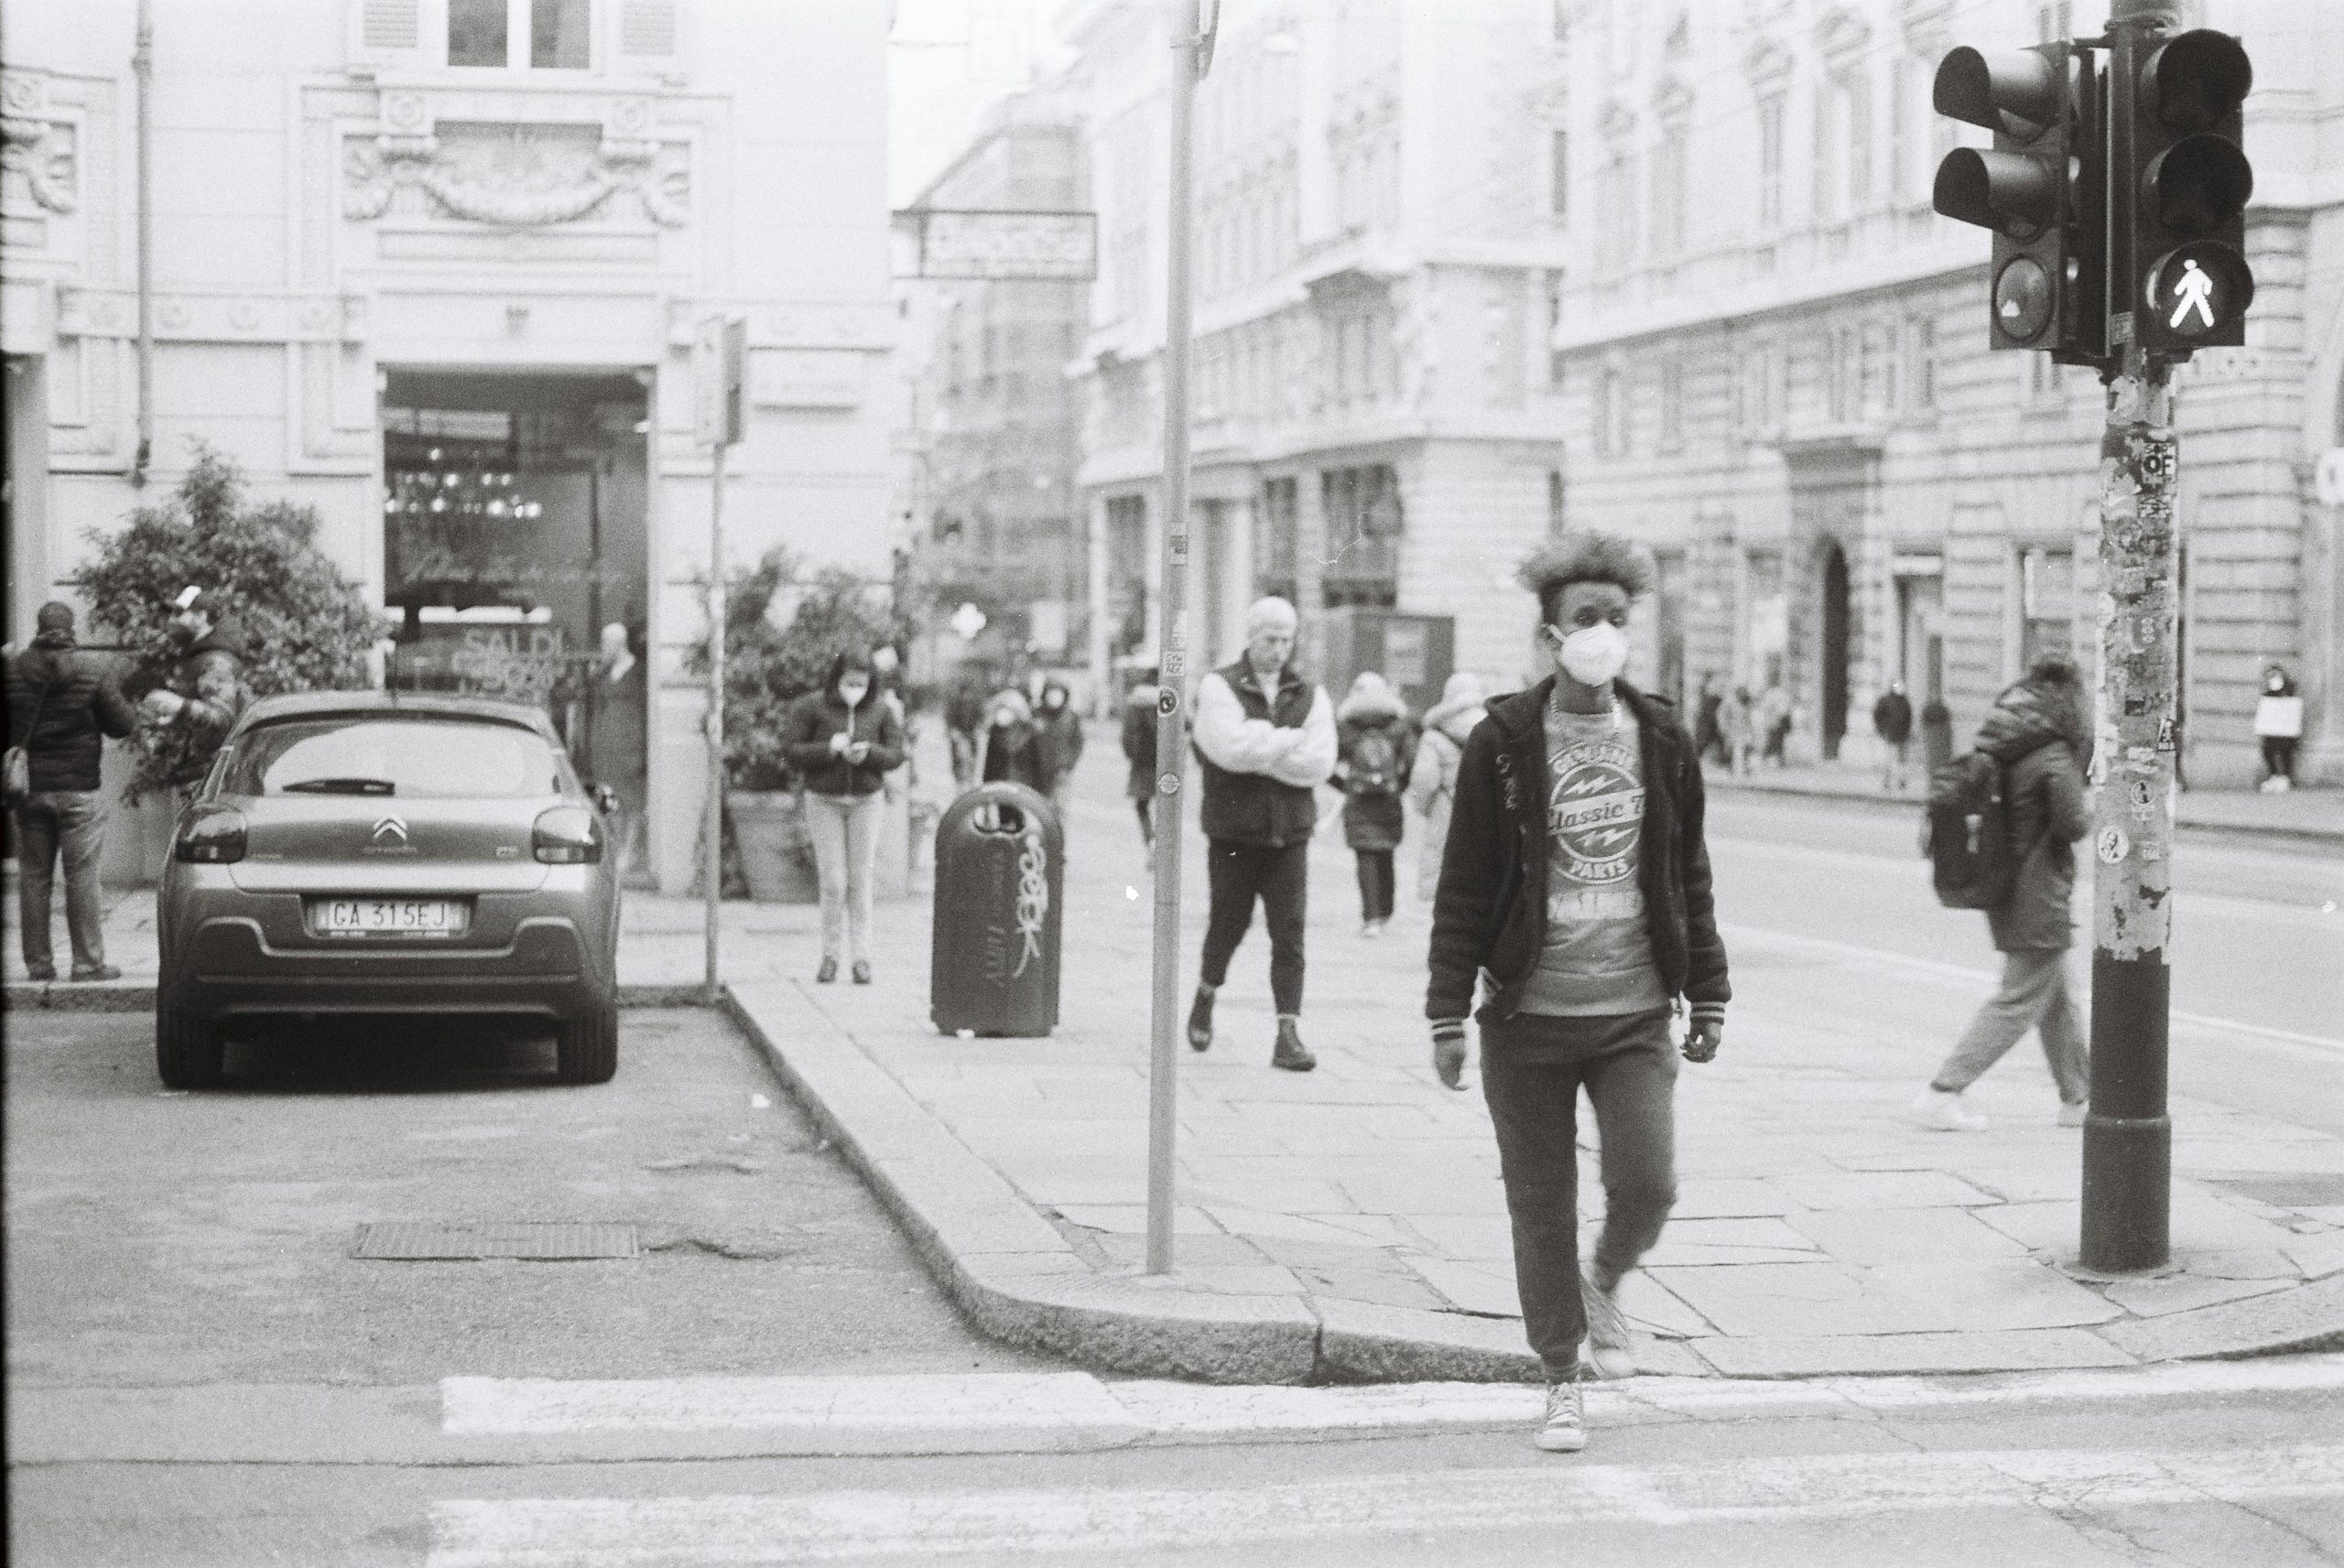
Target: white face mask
(1595, 654)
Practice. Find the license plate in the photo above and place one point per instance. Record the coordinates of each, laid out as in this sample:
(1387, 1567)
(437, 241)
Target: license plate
(416, 917)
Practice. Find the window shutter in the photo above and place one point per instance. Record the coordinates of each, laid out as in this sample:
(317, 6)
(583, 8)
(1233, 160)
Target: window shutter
(388, 34)
(650, 37)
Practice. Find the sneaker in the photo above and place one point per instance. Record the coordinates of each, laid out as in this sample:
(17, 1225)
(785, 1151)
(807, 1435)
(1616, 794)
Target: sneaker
(101, 972)
(1289, 1052)
(2071, 1115)
(1941, 1110)
(861, 972)
(1370, 929)
(41, 972)
(828, 972)
(1200, 1021)
(1563, 1429)
(1607, 1349)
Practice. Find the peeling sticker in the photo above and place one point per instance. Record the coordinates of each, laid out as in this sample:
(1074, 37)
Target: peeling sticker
(2114, 844)
(2139, 790)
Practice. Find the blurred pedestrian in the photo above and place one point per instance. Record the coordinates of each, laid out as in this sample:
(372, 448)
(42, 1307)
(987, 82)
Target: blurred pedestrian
(1058, 740)
(61, 705)
(1266, 736)
(1775, 723)
(1432, 781)
(1739, 720)
(1009, 751)
(843, 740)
(2039, 733)
(194, 710)
(1892, 721)
(2279, 725)
(964, 723)
(1374, 747)
(1708, 734)
(1936, 735)
(1139, 751)
(1575, 898)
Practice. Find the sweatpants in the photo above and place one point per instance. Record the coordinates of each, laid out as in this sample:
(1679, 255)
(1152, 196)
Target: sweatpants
(1533, 1068)
(1280, 877)
(2033, 995)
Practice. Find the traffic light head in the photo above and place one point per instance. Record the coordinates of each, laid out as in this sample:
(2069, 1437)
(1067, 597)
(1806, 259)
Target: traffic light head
(2190, 183)
(2037, 190)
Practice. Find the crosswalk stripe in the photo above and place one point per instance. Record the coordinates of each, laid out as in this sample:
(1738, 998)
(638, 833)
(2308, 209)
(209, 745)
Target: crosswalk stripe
(903, 1405)
(610, 1532)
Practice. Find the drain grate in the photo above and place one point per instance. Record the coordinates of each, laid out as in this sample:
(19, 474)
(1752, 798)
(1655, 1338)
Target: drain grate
(2302, 1189)
(409, 1240)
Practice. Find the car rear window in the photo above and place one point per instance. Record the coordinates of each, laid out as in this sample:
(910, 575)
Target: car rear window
(428, 758)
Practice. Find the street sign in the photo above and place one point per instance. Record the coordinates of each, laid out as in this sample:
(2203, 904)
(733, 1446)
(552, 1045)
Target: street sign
(1003, 245)
(720, 356)
(2327, 477)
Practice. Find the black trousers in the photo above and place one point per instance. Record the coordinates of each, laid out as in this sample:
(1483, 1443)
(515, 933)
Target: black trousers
(2279, 757)
(1279, 877)
(1533, 1068)
(1374, 883)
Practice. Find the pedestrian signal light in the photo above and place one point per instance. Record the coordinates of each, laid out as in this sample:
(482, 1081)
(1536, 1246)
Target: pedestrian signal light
(2037, 190)
(2190, 181)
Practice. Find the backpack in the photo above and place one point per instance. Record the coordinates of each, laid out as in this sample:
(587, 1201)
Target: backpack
(1375, 763)
(1973, 864)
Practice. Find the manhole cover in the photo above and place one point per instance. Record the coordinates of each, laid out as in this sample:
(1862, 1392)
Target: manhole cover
(416, 1240)
(2308, 1189)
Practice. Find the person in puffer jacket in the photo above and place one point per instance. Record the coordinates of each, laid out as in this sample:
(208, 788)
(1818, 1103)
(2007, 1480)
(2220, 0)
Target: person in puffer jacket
(2040, 731)
(1432, 783)
(1139, 751)
(61, 706)
(1375, 746)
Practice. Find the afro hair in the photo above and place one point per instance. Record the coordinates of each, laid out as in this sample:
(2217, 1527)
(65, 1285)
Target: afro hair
(1584, 557)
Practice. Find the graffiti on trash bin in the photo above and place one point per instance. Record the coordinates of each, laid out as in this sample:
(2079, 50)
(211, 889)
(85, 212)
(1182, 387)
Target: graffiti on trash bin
(1032, 896)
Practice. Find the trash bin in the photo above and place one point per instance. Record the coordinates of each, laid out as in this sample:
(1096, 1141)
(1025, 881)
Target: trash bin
(998, 905)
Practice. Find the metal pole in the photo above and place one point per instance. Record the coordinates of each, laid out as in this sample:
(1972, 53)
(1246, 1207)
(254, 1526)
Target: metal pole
(713, 847)
(2128, 1138)
(142, 73)
(1163, 1077)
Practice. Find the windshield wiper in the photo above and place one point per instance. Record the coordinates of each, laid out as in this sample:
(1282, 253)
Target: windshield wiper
(342, 786)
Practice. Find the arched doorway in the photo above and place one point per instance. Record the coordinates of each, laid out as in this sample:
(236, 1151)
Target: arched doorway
(1835, 648)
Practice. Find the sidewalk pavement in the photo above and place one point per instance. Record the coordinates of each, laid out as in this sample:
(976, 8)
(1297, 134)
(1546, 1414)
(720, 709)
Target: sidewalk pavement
(2313, 815)
(1348, 1225)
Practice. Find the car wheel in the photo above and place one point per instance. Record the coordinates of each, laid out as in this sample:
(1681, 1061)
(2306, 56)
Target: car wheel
(189, 1052)
(586, 1049)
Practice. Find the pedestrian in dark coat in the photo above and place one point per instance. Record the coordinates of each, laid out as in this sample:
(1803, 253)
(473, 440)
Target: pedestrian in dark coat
(1892, 721)
(2040, 731)
(2279, 726)
(61, 705)
(1139, 751)
(1009, 751)
(843, 740)
(1375, 748)
(1057, 742)
(193, 711)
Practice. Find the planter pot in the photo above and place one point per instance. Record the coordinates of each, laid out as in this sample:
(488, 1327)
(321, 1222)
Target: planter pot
(776, 860)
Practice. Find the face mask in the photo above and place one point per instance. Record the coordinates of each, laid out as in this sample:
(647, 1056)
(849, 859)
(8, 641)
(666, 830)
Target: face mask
(1595, 654)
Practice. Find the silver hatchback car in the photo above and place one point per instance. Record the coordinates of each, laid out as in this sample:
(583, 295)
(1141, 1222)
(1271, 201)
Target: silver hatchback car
(373, 852)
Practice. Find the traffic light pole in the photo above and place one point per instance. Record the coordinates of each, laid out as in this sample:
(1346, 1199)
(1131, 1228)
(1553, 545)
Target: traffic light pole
(2128, 1136)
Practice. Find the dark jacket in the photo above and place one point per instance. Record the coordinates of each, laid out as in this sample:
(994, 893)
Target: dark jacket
(1057, 739)
(1489, 918)
(1892, 717)
(77, 704)
(817, 716)
(1373, 820)
(1139, 742)
(211, 676)
(1259, 808)
(1012, 751)
(2039, 738)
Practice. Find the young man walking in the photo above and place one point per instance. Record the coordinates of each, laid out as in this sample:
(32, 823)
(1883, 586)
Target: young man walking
(1266, 739)
(2040, 733)
(1575, 888)
(60, 707)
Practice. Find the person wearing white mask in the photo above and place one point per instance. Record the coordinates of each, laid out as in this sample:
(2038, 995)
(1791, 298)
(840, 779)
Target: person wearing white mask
(1583, 946)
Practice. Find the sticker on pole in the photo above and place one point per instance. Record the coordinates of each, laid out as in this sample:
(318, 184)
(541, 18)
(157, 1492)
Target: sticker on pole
(2113, 845)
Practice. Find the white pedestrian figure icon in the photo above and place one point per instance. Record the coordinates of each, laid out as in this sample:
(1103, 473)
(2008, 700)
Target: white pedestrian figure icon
(2192, 293)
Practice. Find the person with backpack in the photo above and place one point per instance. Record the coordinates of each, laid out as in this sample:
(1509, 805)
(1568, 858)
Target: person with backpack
(2004, 819)
(1575, 899)
(1139, 751)
(61, 705)
(1432, 780)
(193, 711)
(1374, 744)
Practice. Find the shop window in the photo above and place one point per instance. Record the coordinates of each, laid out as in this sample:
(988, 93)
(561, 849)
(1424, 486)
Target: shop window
(543, 35)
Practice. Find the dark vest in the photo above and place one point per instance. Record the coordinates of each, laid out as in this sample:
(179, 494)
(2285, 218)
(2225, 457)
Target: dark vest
(1254, 808)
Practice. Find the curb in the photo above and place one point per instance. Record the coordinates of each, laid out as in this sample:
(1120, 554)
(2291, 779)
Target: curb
(137, 996)
(1020, 1280)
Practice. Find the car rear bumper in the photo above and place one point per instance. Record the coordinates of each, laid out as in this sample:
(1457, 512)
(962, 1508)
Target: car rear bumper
(228, 967)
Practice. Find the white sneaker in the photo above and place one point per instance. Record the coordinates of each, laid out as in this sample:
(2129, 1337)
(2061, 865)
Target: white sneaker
(1940, 1110)
(1563, 1429)
(1607, 1347)
(1371, 928)
(2071, 1115)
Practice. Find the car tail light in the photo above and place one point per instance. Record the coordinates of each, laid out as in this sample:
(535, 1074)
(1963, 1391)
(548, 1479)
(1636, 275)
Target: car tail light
(568, 836)
(214, 835)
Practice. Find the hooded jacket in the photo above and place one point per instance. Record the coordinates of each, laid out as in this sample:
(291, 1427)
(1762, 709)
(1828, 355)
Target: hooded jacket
(2037, 734)
(1489, 919)
(211, 676)
(1011, 752)
(1432, 780)
(1139, 740)
(1058, 735)
(76, 703)
(1373, 820)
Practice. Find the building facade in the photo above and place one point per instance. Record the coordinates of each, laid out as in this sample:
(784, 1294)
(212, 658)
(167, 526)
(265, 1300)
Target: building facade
(1376, 263)
(434, 267)
(1771, 367)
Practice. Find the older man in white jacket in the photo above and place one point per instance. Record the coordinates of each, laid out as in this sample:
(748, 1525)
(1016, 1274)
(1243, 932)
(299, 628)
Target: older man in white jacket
(1266, 738)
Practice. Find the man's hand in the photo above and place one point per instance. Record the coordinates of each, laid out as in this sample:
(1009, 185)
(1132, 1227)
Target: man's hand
(161, 704)
(1702, 1040)
(839, 744)
(1448, 1056)
(856, 751)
